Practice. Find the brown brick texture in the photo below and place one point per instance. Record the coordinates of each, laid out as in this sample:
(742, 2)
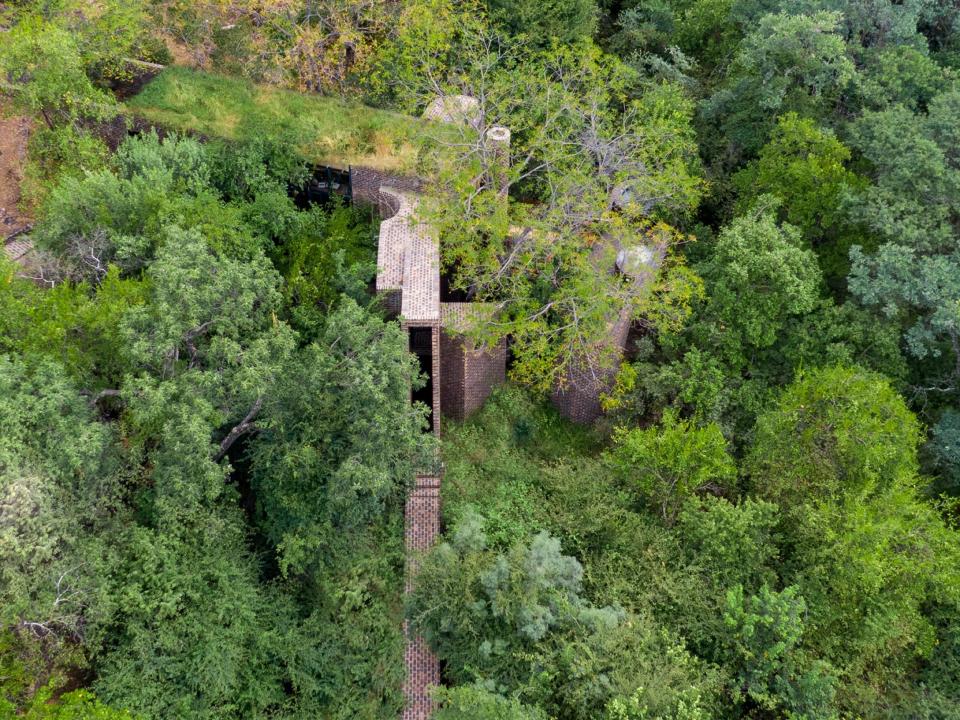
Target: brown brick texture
(469, 375)
(366, 183)
(421, 528)
(579, 397)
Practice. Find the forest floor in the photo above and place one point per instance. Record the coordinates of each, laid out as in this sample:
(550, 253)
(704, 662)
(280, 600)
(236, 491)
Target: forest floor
(14, 134)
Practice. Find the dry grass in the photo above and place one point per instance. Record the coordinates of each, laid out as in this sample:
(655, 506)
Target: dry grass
(328, 130)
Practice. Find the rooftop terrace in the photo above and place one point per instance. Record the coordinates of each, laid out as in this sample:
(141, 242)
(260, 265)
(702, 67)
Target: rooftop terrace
(328, 130)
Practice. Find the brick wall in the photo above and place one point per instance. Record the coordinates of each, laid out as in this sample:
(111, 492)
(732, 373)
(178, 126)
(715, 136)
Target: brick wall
(469, 375)
(366, 182)
(579, 397)
(451, 381)
(437, 353)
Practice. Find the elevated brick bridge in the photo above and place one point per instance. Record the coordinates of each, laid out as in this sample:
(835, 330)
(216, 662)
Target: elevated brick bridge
(408, 279)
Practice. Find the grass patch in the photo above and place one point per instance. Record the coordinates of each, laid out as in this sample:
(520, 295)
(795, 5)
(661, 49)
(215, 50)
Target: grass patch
(327, 130)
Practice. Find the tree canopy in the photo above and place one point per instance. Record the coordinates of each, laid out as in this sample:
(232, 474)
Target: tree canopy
(733, 223)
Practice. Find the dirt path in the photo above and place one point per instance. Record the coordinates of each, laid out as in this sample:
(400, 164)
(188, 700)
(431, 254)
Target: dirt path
(14, 133)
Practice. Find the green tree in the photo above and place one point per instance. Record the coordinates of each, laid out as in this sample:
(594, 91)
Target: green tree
(901, 75)
(766, 631)
(44, 74)
(805, 167)
(880, 23)
(59, 486)
(72, 323)
(758, 276)
(490, 614)
(571, 670)
(236, 196)
(23, 693)
(912, 206)
(788, 63)
(915, 173)
(340, 440)
(566, 21)
(332, 253)
(719, 545)
(839, 452)
(837, 432)
(673, 461)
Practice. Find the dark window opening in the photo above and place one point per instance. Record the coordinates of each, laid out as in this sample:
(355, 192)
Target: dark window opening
(421, 345)
(322, 186)
(449, 293)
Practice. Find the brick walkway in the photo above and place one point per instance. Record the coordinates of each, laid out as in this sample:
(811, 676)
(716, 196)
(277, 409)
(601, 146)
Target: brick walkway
(408, 258)
(421, 527)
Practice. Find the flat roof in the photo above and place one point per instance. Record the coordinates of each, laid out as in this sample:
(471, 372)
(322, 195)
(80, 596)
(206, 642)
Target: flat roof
(328, 130)
(408, 259)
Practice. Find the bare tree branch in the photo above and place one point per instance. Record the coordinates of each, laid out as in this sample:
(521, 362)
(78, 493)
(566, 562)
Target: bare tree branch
(246, 425)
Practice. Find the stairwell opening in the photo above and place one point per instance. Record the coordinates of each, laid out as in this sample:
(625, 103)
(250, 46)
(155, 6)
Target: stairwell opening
(421, 345)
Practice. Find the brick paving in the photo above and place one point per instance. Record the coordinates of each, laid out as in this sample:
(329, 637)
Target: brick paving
(421, 528)
(17, 248)
(408, 258)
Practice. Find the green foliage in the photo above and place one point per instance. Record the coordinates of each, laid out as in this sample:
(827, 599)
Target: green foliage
(510, 463)
(70, 322)
(44, 74)
(564, 21)
(177, 163)
(945, 448)
(203, 309)
(484, 611)
(44, 71)
(25, 692)
(836, 433)
(912, 206)
(198, 635)
(804, 167)
(516, 621)
(758, 276)
(55, 153)
(474, 702)
(766, 630)
(788, 63)
(58, 487)
(205, 427)
(429, 36)
(332, 254)
(340, 440)
(588, 131)
(263, 164)
(915, 173)
(901, 75)
(670, 462)
(730, 544)
(839, 452)
(494, 462)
